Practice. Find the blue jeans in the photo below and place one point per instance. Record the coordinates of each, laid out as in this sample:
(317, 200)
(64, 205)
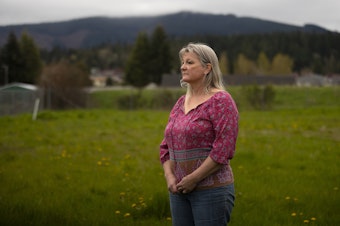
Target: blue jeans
(211, 207)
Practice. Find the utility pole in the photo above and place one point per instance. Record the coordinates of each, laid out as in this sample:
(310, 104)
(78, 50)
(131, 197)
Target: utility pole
(5, 67)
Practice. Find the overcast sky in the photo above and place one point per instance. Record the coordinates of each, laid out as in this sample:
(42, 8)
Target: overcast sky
(324, 13)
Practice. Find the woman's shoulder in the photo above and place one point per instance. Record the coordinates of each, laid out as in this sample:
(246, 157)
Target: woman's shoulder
(179, 103)
(223, 99)
(221, 95)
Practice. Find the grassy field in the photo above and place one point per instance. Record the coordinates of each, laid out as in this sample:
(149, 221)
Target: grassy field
(101, 166)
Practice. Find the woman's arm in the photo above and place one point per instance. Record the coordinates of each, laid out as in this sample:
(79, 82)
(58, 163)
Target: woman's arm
(170, 176)
(189, 182)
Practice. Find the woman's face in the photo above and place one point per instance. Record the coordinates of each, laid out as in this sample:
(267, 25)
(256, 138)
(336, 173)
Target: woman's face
(193, 72)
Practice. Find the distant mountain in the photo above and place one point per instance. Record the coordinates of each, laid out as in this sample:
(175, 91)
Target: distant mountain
(87, 32)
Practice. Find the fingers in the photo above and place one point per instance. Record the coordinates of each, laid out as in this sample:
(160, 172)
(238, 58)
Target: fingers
(182, 190)
(173, 189)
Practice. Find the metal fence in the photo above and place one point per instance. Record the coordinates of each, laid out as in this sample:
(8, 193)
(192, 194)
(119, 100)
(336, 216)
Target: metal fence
(18, 101)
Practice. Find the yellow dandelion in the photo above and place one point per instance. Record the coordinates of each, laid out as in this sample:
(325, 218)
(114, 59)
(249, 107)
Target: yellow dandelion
(306, 221)
(313, 219)
(127, 215)
(117, 212)
(99, 163)
(293, 214)
(287, 198)
(134, 205)
(168, 218)
(127, 156)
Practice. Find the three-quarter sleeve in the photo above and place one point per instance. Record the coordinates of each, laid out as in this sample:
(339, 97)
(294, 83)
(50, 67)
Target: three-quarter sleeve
(164, 152)
(164, 146)
(224, 118)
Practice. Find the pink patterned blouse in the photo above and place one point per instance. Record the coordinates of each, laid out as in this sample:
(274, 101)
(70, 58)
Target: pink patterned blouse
(208, 130)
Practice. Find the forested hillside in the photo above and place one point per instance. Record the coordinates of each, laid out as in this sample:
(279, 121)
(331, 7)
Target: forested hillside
(245, 46)
(89, 32)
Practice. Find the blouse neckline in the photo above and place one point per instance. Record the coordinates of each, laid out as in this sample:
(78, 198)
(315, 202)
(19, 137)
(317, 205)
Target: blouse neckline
(204, 102)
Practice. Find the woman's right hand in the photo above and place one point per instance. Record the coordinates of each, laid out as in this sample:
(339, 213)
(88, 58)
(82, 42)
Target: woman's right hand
(170, 177)
(171, 182)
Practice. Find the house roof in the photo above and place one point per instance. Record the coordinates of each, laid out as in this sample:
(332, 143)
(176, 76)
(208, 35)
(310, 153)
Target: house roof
(18, 86)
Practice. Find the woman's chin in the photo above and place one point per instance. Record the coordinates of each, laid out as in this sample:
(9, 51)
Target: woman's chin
(184, 79)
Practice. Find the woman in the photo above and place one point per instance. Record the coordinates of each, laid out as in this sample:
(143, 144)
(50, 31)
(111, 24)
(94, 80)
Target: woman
(199, 142)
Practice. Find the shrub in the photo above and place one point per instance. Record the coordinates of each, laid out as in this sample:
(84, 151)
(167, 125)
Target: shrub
(260, 97)
(63, 84)
(128, 101)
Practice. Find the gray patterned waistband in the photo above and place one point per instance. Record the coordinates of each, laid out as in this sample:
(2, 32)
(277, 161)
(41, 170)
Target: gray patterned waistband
(187, 155)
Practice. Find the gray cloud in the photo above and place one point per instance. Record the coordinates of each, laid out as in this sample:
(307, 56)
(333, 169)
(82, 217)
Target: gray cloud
(297, 12)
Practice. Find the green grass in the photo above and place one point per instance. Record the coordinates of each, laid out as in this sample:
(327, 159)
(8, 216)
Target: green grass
(287, 163)
(101, 167)
(80, 167)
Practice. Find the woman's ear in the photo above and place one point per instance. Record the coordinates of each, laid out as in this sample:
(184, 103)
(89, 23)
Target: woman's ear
(207, 68)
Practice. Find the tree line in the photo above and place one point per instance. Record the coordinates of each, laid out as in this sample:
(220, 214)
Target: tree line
(306, 52)
(154, 53)
(258, 54)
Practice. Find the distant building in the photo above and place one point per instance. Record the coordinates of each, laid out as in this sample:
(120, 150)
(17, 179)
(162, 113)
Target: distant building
(173, 80)
(313, 80)
(103, 78)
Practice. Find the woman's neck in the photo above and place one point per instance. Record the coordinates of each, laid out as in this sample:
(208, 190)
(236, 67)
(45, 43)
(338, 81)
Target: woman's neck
(202, 92)
(197, 91)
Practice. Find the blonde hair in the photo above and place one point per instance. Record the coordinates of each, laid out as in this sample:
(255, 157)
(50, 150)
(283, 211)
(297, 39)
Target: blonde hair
(206, 56)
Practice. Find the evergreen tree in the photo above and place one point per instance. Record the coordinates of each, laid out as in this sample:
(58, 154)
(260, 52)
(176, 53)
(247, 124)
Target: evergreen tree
(160, 56)
(11, 60)
(32, 64)
(137, 67)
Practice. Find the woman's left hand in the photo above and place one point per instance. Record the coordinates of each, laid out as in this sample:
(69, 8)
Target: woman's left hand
(187, 184)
